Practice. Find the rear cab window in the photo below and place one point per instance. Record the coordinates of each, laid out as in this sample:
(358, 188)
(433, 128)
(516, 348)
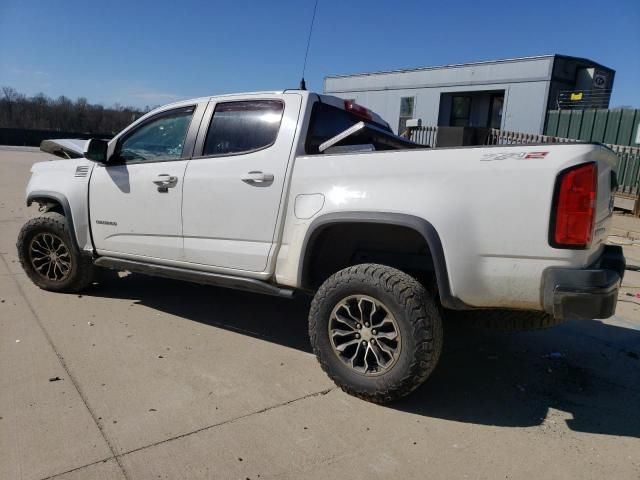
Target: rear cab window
(328, 121)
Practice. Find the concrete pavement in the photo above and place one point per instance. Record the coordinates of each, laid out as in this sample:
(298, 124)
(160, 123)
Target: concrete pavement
(163, 379)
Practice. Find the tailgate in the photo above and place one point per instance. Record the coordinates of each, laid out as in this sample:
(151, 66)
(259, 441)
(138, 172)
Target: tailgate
(606, 160)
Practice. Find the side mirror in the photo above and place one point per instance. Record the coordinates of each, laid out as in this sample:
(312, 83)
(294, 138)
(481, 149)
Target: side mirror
(96, 150)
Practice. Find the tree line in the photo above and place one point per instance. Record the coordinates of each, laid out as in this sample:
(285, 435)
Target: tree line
(41, 112)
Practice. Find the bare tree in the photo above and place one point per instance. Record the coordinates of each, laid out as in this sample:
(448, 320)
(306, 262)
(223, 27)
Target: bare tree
(62, 114)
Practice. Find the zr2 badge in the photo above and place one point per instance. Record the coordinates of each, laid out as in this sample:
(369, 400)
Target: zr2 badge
(492, 157)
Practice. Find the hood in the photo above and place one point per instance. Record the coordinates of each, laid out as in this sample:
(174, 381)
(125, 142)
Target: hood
(64, 147)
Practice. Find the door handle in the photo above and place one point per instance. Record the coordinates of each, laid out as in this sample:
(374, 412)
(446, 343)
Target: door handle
(258, 179)
(165, 181)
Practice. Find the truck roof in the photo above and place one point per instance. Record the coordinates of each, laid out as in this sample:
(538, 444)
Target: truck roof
(223, 95)
(328, 99)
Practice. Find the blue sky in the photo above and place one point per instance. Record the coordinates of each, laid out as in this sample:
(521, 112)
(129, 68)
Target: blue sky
(153, 52)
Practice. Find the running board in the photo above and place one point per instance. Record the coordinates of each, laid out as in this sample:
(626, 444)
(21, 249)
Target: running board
(195, 276)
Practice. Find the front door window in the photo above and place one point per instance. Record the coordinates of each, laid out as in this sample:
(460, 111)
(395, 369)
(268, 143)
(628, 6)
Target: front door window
(161, 138)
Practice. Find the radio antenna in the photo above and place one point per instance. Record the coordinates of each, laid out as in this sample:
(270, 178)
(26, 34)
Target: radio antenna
(303, 85)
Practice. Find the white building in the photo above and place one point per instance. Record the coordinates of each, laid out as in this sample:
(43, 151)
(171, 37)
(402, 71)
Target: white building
(512, 94)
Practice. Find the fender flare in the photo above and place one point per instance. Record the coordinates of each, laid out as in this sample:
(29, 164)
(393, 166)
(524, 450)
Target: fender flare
(57, 197)
(420, 225)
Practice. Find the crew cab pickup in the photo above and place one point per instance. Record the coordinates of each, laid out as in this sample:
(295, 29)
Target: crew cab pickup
(292, 191)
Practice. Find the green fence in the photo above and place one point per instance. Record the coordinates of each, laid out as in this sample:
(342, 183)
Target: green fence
(616, 127)
(628, 169)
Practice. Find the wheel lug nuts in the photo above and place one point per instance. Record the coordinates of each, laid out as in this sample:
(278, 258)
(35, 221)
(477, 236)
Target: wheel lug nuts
(357, 335)
(364, 342)
(373, 340)
(366, 325)
(358, 326)
(374, 331)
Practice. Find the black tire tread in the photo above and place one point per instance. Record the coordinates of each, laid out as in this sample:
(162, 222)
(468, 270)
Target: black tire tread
(422, 314)
(55, 222)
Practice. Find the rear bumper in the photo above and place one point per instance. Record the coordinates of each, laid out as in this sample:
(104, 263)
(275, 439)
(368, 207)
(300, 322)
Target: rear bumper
(588, 293)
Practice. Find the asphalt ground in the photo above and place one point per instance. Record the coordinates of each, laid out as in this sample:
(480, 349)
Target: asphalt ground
(160, 379)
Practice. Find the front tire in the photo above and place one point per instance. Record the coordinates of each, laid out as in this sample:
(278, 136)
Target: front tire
(376, 332)
(50, 258)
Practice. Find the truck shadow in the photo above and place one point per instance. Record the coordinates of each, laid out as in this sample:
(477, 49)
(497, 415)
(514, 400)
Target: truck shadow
(586, 374)
(583, 373)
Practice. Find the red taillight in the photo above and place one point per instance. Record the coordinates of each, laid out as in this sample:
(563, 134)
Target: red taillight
(358, 110)
(575, 207)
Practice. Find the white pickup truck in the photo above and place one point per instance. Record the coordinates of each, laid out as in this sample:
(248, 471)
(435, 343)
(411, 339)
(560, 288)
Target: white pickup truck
(284, 192)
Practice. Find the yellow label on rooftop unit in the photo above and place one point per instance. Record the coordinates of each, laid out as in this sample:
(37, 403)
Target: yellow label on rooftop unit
(576, 96)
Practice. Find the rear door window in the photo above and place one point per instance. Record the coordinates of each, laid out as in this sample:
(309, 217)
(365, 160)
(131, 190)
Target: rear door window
(242, 127)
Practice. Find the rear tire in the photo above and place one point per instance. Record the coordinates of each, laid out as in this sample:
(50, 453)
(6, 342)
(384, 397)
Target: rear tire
(50, 258)
(376, 332)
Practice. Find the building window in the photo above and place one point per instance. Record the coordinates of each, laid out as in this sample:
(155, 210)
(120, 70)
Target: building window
(407, 105)
(495, 111)
(460, 111)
